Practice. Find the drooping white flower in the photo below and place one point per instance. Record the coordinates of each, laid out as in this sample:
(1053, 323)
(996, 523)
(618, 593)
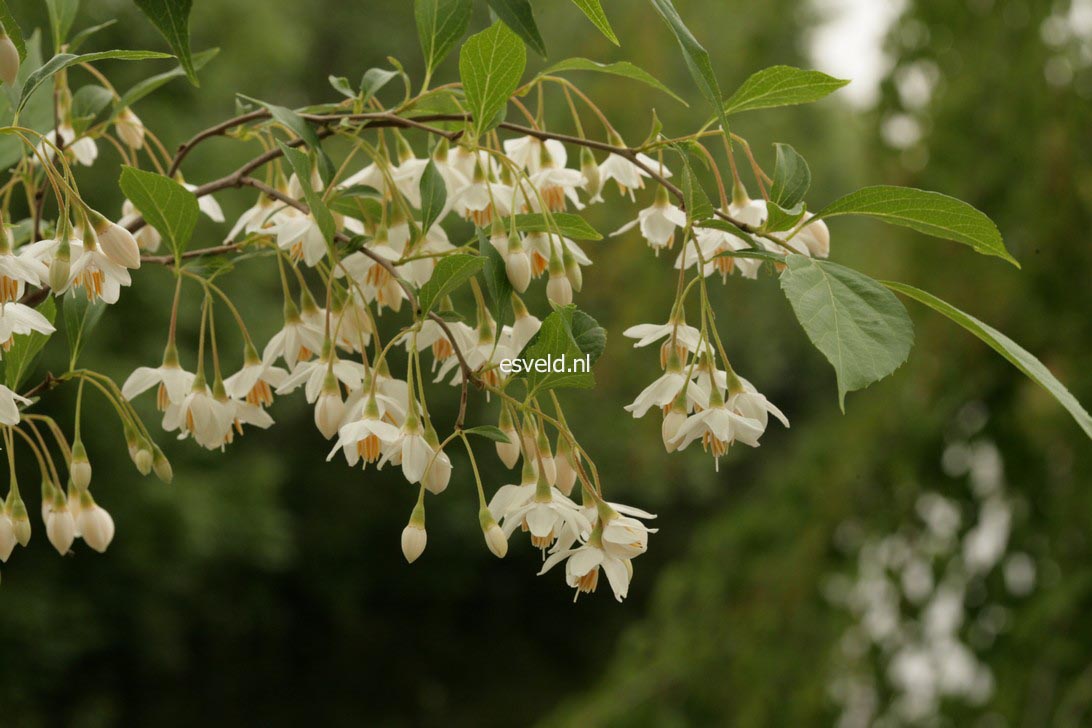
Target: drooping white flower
(657, 222)
(7, 536)
(312, 374)
(582, 565)
(541, 509)
(94, 523)
(256, 381)
(627, 175)
(18, 318)
(527, 152)
(60, 526)
(201, 415)
(17, 270)
(414, 538)
(718, 427)
(84, 149)
(365, 438)
(9, 406)
(296, 341)
(686, 339)
(173, 382)
(130, 128)
(94, 272)
(660, 393)
(555, 185)
(147, 237)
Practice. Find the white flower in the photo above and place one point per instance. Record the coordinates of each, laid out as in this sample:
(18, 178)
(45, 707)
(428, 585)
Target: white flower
(96, 273)
(543, 510)
(657, 222)
(263, 216)
(9, 406)
(147, 237)
(7, 536)
(329, 410)
(527, 152)
(712, 243)
(660, 393)
(438, 472)
(554, 184)
(201, 415)
(411, 449)
(295, 342)
(9, 60)
(117, 243)
(809, 238)
(627, 175)
(685, 338)
(718, 427)
(302, 237)
(365, 438)
(174, 382)
(582, 566)
(130, 128)
(60, 526)
(256, 381)
(483, 200)
(84, 149)
(207, 204)
(312, 374)
(18, 318)
(16, 272)
(414, 538)
(95, 525)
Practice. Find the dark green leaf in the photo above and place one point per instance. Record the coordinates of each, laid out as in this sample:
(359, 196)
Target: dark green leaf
(779, 219)
(621, 68)
(490, 65)
(64, 60)
(754, 253)
(440, 26)
(595, 13)
(433, 195)
(491, 431)
(1015, 354)
(87, 103)
(695, 199)
(80, 318)
(553, 341)
(172, 19)
(565, 223)
(451, 272)
(861, 328)
(20, 358)
(927, 212)
(791, 179)
(590, 337)
(166, 205)
(518, 15)
(781, 86)
(497, 284)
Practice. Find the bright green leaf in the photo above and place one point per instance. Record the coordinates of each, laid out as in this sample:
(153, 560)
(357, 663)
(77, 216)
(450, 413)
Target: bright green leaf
(490, 65)
(595, 13)
(172, 19)
(553, 342)
(440, 26)
(20, 358)
(451, 272)
(564, 223)
(519, 16)
(490, 431)
(858, 325)
(1016, 355)
(927, 212)
(621, 68)
(64, 60)
(781, 86)
(791, 179)
(165, 204)
(301, 165)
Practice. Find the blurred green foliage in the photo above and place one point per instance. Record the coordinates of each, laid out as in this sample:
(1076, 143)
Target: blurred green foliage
(266, 586)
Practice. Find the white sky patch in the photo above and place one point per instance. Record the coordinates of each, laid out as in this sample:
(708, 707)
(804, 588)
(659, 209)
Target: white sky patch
(849, 44)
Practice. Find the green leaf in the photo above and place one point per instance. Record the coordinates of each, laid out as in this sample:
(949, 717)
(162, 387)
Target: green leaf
(301, 128)
(696, 57)
(791, 179)
(153, 83)
(490, 65)
(433, 196)
(79, 39)
(373, 80)
(781, 86)
(451, 272)
(927, 212)
(172, 19)
(590, 337)
(755, 253)
(554, 340)
(440, 25)
(497, 284)
(166, 205)
(564, 223)
(12, 29)
(64, 60)
(80, 318)
(87, 103)
(491, 431)
(624, 69)
(861, 328)
(778, 219)
(518, 15)
(341, 85)
(1015, 354)
(595, 13)
(360, 202)
(62, 13)
(20, 358)
(301, 165)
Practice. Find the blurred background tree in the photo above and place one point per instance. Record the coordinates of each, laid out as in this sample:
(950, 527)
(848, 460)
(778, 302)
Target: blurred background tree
(268, 587)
